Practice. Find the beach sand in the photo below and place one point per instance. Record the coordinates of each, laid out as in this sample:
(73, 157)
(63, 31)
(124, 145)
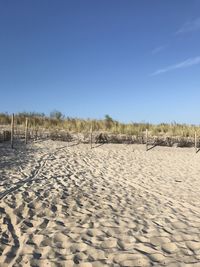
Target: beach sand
(113, 205)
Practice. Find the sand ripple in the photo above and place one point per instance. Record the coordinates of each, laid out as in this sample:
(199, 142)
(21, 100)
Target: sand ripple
(114, 205)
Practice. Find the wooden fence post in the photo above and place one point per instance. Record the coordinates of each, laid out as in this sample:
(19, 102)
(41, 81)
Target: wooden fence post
(91, 137)
(26, 131)
(12, 131)
(146, 139)
(195, 142)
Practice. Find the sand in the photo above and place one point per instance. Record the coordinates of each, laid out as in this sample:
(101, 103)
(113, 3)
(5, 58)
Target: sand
(113, 205)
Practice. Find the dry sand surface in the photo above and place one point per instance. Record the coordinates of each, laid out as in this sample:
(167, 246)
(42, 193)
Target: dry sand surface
(113, 205)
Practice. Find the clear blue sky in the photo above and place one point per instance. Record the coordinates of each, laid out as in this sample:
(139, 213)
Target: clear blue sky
(136, 60)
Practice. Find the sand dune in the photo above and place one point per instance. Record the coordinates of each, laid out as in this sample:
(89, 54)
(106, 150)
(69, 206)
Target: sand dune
(115, 205)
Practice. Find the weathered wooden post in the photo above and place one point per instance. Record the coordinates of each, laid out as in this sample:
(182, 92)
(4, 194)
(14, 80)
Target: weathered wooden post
(91, 137)
(195, 141)
(35, 133)
(26, 130)
(146, 139)
(12, 131)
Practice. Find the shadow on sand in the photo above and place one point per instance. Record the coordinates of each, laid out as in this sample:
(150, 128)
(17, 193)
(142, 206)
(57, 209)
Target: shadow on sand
(150, 148)
(197, 151)
(98, 145)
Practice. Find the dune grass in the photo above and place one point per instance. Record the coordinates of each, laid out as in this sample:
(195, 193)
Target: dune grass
(56, 121)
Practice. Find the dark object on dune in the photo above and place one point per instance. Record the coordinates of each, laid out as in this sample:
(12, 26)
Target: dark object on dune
(101, 138)
(61, 136)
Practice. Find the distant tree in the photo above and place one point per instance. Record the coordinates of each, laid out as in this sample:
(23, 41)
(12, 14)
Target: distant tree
(56, 115)
(108, 118)
(108, 121)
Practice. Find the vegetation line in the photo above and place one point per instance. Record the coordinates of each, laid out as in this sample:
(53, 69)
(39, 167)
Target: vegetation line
(57, 121)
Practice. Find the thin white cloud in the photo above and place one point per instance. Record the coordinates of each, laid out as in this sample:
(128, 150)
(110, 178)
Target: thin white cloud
(184, 64)
(158, 49)
(190, 26)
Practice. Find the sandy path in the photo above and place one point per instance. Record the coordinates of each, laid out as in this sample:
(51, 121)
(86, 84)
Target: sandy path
(115, 205)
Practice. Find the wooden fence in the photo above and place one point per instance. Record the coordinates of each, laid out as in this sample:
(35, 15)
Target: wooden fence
(24, 133)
